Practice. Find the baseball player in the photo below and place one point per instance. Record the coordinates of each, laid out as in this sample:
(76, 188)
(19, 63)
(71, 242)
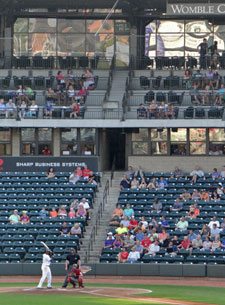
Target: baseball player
(71, 259)
(46, 271)
(75, 275)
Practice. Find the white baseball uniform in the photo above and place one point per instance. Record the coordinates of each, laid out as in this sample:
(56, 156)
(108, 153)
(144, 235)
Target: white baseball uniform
(46, 271)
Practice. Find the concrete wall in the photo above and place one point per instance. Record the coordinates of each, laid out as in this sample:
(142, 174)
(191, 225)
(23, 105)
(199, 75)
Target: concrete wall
(185, 270)
(168, 163)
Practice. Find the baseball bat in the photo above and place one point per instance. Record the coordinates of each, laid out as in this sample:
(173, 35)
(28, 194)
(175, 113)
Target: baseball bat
(46, 247)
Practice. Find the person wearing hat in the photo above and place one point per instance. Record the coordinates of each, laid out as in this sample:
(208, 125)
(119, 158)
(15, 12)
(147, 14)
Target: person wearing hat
(219, 189)
(14, 218)
(24, 219)
(71, 259)
(109, 241)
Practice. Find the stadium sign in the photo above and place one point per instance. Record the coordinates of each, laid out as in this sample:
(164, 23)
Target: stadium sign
(42, 164)
(196, 9)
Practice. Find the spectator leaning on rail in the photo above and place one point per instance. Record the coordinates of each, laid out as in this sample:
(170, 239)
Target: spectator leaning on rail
(141, 112)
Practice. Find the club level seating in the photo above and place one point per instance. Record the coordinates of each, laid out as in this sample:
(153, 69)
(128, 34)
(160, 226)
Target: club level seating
(31, 191)
(141, 201)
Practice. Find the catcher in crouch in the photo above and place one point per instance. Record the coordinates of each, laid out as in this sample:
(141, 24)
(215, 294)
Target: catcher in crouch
(75, 275)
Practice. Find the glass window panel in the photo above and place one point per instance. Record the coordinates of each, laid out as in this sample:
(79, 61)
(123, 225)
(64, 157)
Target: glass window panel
(122, 26)
(170, 26)
(42, 25)
(88, 149)
(216, 149)
(28, 149)
(122, 50)
(5, 149)
(197, 148)
(69, 135)
(70, 44)
(102, 43)
(87, 134)
(42, 44)
(5, 134)
(178, 149)
(71, 26)
(69, 149)
(45, 134)
(20, 44)
(140, 148)
(197, 134)
(150, 44)
(170, 44)
(217, 134)
(158, 134)
(94, 25)
(27, 134)
(21, 25)
(159, 148)
(198, 26)
(141, 136)
(179, 135)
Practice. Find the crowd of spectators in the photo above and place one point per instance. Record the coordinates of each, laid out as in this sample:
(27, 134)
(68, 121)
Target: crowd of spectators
(137, 236)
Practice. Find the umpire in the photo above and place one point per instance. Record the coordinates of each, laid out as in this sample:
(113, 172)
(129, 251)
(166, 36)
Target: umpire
(72, 258)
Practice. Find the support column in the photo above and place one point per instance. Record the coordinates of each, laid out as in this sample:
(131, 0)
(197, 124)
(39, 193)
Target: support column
(56, 142)
(15, 142)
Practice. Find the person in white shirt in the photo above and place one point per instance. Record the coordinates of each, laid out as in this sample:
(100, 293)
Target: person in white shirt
(212, 222)
(46, 271)
(86, 206)
(33, 110)
(74, 177)
(197, 172)
(154, 248)
(133, 255)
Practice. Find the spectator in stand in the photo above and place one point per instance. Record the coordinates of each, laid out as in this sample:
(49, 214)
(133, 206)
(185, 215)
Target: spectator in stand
(196, 173)
(222, 225)
(143, 223)
(69, 78)
(2, 108)
(178, 205)
(154, 248)
(133, 225)
(164, 222)
(79, 171)
(141, 112)
(125, 222)
(92, 179)
(182, 225)
(143, 184)
(177, 173)
(86, 172)
(163, 183)
(215, 196)
(50, 94)
(207, 244)
(219, 190)
(153, 110)
(72, 213)
(20, 94)
(10, 109)
(62, 211)
(216, 244)
(14, 218)
(122, 256)
(64, 230)
(109, 241)
(222, 173)
(71, 94)
(88, 79)
(197, 77)
(139, 235)
(74, 177)
(209, 77)
(81, 212)
(157, 206)
(207, 96)
(75, 110)
(205, 231)
(33, 110)
(118, 211)
(46, 151)
(195, 94)
(215, 173)
(22, 109)
(171, 111)
(185, 244)
(163, 236)
(130, 173)
(74, 204)
(82, 94)
(220, 95)
(133, 256)
(175, 240)
(139, 248)
(43, 213)
(153, 234)
(216, 79)
(128, 211)
(214, 231)
(125, 183)
(50, 174)
(48, 109)
(172, 249)
(187, 78)
(59, 93)
(185, 195)
(24, 219)
(60, 79)
(86, 205)
(223, 245)
(53, 213)
(212, 222)
(153, 184)
(192, 235)
(128, 241)
(134, 183)
(118, 243)
(121, 230)
(194, 211)
(204, 195)
(146, 242)
(76, 230)
(196, 195)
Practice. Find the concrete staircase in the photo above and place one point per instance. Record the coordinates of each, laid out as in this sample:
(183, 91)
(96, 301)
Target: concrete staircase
(102, 229)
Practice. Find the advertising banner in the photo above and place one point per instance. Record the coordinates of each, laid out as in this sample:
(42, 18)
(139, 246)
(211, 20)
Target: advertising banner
(195, 9)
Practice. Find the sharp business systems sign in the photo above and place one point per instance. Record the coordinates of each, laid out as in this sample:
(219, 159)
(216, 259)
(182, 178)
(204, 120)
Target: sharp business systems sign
(196, 9)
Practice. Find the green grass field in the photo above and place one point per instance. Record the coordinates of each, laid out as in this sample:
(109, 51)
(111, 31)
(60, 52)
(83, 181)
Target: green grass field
(207, 295)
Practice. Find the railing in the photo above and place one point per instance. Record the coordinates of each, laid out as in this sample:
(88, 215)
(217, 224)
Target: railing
(99, 214)
(113, 169)
(110, 79)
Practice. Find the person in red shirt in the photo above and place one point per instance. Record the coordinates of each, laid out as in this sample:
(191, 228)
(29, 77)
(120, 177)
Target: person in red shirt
(75, 110)
(122, 256)
(24, 219)
(133, 224)
(146, 242)
(86, 172)
(46, 151)
(185, 244)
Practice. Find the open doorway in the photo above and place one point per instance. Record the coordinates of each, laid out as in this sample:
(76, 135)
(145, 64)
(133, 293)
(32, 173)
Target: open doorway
(116, 139)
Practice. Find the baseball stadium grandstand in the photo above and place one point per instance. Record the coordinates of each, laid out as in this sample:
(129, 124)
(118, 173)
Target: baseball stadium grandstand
(92, 92)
